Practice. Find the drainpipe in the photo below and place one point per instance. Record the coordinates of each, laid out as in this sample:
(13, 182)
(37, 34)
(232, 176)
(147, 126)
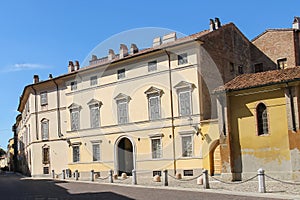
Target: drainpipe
(292, 108)
(36, 113)
(58, 109)
(172, 111)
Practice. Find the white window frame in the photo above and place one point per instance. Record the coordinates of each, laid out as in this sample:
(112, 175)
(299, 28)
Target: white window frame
(44, 98)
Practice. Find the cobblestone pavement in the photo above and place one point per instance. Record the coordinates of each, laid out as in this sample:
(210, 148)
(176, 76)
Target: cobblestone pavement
(273, 187)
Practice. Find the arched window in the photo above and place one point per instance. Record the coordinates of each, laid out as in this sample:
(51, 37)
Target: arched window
(262, 119)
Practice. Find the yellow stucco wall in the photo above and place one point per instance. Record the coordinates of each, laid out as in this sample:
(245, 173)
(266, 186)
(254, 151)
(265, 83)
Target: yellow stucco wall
(250, 151)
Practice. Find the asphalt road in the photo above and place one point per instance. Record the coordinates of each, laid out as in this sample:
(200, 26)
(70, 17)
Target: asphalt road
(14, 187)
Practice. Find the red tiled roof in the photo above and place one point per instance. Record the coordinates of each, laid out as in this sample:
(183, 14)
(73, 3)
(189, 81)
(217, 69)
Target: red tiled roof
(246, 81)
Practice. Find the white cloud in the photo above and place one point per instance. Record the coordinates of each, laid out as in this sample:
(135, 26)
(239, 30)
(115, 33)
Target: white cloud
(26, 66)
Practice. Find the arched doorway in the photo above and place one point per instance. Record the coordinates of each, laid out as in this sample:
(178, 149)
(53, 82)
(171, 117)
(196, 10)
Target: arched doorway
(215, 159)
(125, 156)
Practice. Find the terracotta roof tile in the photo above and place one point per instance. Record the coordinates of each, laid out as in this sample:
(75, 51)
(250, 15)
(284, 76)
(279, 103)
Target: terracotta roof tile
(246, 81)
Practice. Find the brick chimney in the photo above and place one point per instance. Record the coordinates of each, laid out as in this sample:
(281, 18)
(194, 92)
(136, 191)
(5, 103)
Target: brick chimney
(171, 37)
(76, 65)
(296, 23)
(94, 57)
(212, 26)
(111, 54)
(36, 79)
(71, 66)
(156, 41)
(133, 49)
(123, 51)
(217, 23)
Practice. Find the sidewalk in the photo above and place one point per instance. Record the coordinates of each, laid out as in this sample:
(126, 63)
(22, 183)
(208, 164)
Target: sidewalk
(274, 189)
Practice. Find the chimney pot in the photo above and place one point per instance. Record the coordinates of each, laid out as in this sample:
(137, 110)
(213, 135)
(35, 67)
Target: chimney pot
(212, 26)
(77, 66)
(71, 66)
(123, 50)
(217, 23)
(111, 54)
(50, 76)
(296, 23)
(133, 49)
(94, 57)
(36, 79)
(156, 41)
(171, 37)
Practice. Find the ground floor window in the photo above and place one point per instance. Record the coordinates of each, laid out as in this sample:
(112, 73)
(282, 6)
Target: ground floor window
(46, 170)
(76, 154)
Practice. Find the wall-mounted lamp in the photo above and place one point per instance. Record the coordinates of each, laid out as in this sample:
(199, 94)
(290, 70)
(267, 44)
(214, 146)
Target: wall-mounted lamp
(197, 129)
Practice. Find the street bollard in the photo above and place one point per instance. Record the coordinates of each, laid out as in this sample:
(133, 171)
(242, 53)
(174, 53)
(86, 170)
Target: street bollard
(76, 175)
(261, 180)
(53, 174)
(166, 178)
(134, 181)
(92, 175)
(63, 174)
(111, 180)
(205, 179)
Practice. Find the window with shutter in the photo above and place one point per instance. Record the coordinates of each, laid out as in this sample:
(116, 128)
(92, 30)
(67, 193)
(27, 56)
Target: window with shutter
(93, 81)
(156, 148)
(96, 152)
(44, 99)
(122, 111)
(45, 129)
(152, 66)
(74, 119)
(76, 154)
(187, 146)
(154, 107)
(46, 155)
(95, 116)
(185, 103)
(182, 59)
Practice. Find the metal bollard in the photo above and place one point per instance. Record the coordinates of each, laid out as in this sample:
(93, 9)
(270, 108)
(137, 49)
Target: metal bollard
(111, 180)
(76, 175)
(166, 178)
(261, 180)
(53, 174)
(63, 174)
(205, 179)
(134, 181)
(92, 175)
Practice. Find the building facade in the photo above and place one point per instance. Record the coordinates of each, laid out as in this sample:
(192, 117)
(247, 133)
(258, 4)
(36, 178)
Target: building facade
(145, 110)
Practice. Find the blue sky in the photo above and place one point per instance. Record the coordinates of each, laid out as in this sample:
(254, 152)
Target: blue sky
(40, 37)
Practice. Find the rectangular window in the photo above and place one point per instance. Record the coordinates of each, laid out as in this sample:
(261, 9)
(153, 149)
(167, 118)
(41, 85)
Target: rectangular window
(231, 66)
(93, 80)
(44, 98)
(74, 119)
(46, 156)
(121, 73)
(187, 146)
(156, 173)
(73, 85)
(185, 103)
(95, 116)
(282, 63)
(45, 129)
(96, 152)
(156, 148)
(258, 67)
(122, 111)
(76, 154)
(152, 66)
(188, 173)
(45, 170)
(182, 59)
(154, 107)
